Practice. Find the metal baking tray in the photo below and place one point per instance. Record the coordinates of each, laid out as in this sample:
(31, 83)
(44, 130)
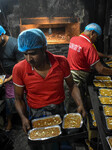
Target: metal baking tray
(46, 133)
(109, 122)
(71, 119)
(105, 92)
(98, 83)
(108, 83)
(102, 77)
(109, 138)
(107, 112)
(105, 100)
(46, 121)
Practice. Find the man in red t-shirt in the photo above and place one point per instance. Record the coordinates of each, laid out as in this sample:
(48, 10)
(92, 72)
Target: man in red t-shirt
(41, 75)
(82, 56)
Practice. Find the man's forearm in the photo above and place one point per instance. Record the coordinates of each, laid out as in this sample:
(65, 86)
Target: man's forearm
(76, 95)
(21, 108)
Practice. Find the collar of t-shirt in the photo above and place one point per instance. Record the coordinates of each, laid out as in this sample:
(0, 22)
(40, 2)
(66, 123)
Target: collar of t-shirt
(87, 38)
(53, 62)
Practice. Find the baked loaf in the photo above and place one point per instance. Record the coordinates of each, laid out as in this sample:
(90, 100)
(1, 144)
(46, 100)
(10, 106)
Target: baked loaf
(109, 123)
(105, 100)
(72, 120)
(46, 132)
(105, 92)
(46, 121)
(108, 110)
(102, 78)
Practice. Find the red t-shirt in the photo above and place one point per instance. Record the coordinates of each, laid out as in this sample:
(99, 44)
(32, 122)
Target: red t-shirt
(42, 91)
(82, 54)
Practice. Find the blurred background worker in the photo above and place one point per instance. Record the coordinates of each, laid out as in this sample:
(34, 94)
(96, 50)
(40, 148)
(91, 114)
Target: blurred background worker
(9, 56)
(82, 56)
(42, 75)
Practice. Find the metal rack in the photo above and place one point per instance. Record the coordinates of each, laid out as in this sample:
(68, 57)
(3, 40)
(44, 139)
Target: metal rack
(100, 125)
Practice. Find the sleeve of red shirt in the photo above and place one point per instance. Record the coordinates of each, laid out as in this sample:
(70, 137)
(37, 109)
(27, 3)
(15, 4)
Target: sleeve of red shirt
(65, 66)
(17, 74)
(92, 55)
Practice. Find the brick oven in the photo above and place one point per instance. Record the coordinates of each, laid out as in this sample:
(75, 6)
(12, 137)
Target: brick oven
(58, 30)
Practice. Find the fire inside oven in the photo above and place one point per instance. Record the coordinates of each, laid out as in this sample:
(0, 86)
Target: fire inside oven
(58, 30)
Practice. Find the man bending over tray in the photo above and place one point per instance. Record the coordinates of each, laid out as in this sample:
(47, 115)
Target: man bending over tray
(41, 75)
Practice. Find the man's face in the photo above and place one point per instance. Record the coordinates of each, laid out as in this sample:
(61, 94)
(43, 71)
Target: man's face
(34, 57)
(94, 37)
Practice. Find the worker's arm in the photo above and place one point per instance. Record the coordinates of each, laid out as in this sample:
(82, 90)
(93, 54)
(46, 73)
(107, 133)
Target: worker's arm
(102, 70)
(21, 107)
(101, 55)
(76, 95)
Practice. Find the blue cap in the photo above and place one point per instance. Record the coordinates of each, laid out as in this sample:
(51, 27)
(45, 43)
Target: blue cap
(95, 27)
(31, 39)
(2, 30)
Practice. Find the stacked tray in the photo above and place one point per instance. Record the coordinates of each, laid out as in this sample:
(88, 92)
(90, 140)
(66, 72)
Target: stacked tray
(103, 84)
(46, 121)
(44, 133)
(109, 140)
(105, 99)
(52, 126)
(109, 63)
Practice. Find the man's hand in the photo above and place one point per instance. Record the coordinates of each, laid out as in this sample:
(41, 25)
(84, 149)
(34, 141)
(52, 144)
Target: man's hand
(26, 125)
(81, 110)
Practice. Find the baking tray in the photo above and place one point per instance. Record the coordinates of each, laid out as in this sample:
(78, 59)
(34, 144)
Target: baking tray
(105, 100)
(71, 118)
(82, 134)
(102, 77)
(107, 138)
(107, 131)
(105, 92)
(73, 128)
(107, 112)
(98, 83)
(44, 132)
(107, 125)
(46, 121)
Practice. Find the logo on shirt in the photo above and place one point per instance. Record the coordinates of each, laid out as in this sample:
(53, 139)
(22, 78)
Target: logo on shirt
(75, 47)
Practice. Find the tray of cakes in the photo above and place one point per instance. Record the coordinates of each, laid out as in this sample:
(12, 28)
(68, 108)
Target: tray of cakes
(72, 121)
(106, 117)
(105, 92)
(109, 140)
(107, 110)
(105, 100)
(46, 121)
(102, 83)
(102, 77)
(109, 123)
(98, 83)
(44, 133)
